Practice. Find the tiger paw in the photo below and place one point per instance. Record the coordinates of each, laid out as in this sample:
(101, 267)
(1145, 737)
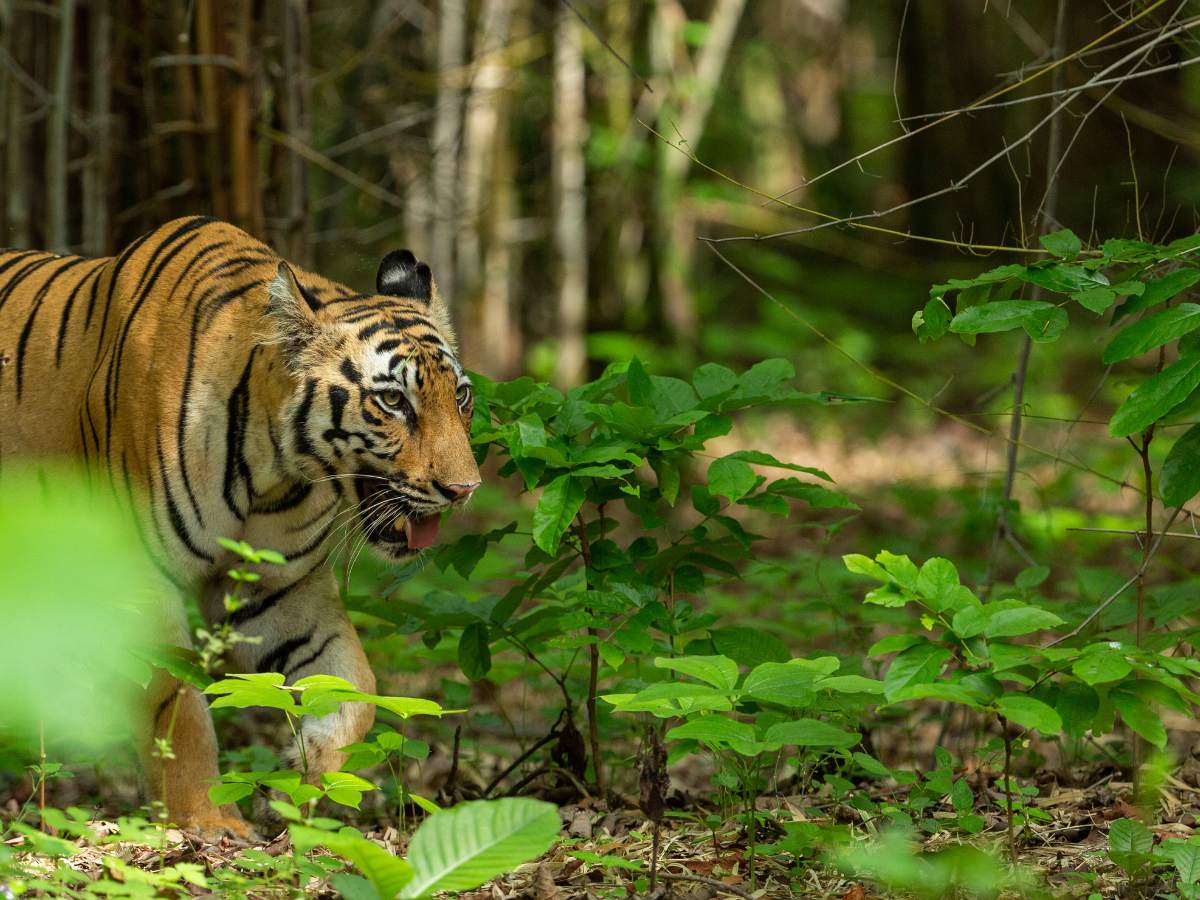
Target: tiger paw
(212, 828)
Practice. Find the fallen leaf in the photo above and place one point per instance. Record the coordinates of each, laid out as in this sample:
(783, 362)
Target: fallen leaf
(543, 884)
(856, 892)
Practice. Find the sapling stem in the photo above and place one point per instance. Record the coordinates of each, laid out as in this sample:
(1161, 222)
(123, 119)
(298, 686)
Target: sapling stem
(594, 669)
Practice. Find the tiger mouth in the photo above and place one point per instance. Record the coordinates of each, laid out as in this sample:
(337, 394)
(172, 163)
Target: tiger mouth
(385, 522)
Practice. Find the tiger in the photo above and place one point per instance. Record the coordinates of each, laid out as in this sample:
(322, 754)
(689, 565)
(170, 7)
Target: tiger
(223, 393)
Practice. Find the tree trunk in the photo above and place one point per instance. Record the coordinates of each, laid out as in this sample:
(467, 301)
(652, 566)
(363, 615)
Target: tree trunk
(295, 73)
(207, 32)
(679, 309)
(451, 40)
(96, 173)
(500, 327)
(570, 218)
(16, 174)
(479, 136)
(57, 223)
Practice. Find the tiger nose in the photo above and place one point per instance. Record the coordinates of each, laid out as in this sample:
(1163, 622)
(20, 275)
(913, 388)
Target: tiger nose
(457, 491)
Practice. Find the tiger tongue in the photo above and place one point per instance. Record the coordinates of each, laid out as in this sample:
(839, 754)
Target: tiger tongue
(421, 531)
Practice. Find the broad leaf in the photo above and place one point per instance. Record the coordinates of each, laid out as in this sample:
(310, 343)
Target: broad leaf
(474, 655)
(1138, 715)
(811, 733)
(460, 848)
(1179, 480)
(1153, 331)
(717, 730)
(783, 684)
(1157, 397)
(1104, 666)
(748, 646)
(555, 510)
(1030, 713)
(1063, 244)
(1045, 325)
(1001, 316)
(1077, 705)
(719, 671)
(732, 478)
(1024, 620)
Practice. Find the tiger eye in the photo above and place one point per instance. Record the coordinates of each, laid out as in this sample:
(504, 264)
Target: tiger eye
(463, 392)
(392, 398)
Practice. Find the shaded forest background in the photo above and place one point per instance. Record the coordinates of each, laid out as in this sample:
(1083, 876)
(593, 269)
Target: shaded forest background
(502, 142)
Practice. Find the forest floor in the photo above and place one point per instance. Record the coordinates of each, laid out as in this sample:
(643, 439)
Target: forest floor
(606, 849)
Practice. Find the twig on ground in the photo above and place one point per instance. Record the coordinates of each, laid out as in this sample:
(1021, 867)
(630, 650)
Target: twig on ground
(711, 882)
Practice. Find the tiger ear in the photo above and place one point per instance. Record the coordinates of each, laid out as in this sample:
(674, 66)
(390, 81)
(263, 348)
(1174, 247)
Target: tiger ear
(295, 311)
(401, 275)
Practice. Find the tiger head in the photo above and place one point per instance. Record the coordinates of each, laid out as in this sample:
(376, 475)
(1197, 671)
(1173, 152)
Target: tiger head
(379, 400)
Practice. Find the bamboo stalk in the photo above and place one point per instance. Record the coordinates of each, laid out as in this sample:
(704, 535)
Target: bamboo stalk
(210, 107)
(96, 173)
(500, 332)
(56, 142)
(446, 134)
(244, 166)
(570, 215)
(185, 94)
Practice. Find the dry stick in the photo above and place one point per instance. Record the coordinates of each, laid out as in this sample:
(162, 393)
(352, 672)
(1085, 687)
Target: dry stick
(711, 882)
(305, 151)
(1048, 212)
(903, 390)
(520, 759)
(1138, 534)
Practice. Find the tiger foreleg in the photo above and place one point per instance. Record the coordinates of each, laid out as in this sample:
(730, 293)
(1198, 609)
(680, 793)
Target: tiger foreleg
(178, 750)
(306, 632)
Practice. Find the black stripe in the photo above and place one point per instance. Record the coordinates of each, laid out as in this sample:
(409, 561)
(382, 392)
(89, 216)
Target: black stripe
(17, 277)
(173, 514)
(278, 657)
(312, 657)
(238, 415)
(350, 372)
(38, 299)
(295, 495)
(66, 313)
(251, 610)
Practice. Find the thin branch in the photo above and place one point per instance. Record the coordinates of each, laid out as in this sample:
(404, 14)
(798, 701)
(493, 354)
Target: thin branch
(302, 149)
(1139, 534)
(607, 45)
(1119, 591)
(1023, 81)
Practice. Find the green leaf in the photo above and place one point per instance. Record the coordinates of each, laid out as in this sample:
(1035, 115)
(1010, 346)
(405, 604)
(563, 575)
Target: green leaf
(353, 887)
(938, 583)
(748, 646)
(1001, 316)
(1064, 279)
(1032, 577)
(1130, 836)
(1157, 397)
(719, 671)
(717, 730)
(1022, 620)
(1063, 244)
(916, 665)
(864, 565)
(1096, 299)
(1045, 325)
(641, 388)
(902, 569)
(609, 861)
(460, 848)
(785, 685)
(1179, 480)
(220, 794)
(1077, 704)
(872, 766)
(758, 458)
(1101, 667)
(711, 379)
(1156, 291)
(1030, 713)
(732, 478)
(1138, 715)
(931, 323)
(850, 684)
(474, 655)
(961, 797)
(555, 510)
(1187, 861)
(1153, 331)
(811, 733)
